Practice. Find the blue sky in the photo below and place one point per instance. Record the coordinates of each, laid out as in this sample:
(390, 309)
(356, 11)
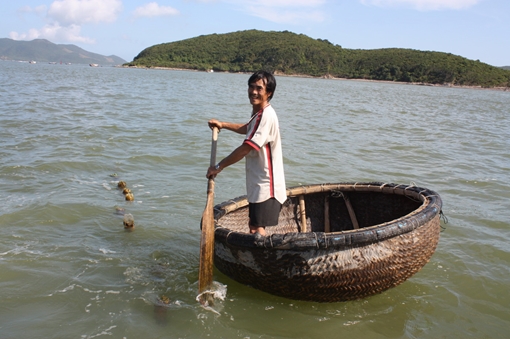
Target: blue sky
(475, 29)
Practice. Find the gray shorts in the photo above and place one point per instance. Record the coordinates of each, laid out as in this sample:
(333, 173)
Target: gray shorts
(265, 213)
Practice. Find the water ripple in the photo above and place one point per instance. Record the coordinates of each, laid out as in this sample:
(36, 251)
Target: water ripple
(69, 133)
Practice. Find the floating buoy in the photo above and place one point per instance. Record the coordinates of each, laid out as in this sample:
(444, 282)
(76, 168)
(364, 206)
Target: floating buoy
(129, 221)
(164, 299)
(119, 210)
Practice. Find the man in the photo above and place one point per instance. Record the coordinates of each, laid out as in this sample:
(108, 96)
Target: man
(265, 180)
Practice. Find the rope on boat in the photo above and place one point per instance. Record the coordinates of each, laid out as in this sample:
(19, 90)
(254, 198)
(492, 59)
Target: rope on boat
(443, 217)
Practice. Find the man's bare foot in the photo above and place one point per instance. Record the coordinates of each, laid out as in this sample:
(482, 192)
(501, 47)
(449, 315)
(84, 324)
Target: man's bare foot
(260, 230)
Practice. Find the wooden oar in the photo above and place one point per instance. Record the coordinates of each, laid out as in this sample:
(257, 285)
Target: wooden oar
(205, 274)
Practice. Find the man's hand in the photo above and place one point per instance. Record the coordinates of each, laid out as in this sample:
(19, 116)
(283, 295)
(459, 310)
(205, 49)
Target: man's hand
(212, 172)
(215, 123)
(234, 127)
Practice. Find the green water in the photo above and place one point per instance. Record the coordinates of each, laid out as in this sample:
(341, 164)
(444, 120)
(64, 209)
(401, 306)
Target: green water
(68, 269)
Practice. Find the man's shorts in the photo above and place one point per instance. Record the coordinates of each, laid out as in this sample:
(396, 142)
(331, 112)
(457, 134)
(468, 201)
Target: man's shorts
(265, 213)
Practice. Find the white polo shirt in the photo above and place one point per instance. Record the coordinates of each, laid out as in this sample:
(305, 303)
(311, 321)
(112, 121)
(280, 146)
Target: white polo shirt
(265, 178)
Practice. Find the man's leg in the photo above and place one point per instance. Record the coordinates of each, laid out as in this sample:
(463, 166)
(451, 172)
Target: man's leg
(263, 214)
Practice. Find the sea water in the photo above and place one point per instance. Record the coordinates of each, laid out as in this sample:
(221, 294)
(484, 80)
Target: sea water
(69, 269)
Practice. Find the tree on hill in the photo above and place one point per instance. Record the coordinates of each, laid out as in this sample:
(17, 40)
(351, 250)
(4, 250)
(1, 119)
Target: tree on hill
(424, 66)
(296, 54)
(283, 52)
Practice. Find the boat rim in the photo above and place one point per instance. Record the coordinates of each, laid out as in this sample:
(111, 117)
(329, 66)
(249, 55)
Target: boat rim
(428, 210)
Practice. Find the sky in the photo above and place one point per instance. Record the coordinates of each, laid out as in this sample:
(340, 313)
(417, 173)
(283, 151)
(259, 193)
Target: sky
(474, 29)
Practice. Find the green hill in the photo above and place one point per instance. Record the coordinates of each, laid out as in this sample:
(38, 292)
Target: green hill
(296, 54)
(45, 51)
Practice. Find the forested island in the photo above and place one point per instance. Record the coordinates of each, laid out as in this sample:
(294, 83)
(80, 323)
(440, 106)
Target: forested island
(287, 53)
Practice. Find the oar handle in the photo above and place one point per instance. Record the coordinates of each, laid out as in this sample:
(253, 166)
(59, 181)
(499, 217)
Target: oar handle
(214, 141)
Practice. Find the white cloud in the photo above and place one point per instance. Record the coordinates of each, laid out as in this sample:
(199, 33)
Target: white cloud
(287, 3)
(66, 17)
(424, 4)
(31, 35)
(27, 9)
(284, 11)
(289, 17)
(55, 33)
(153, 9)
(78, 12)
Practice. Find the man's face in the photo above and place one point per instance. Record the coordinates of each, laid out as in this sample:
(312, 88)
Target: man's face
(257, 93)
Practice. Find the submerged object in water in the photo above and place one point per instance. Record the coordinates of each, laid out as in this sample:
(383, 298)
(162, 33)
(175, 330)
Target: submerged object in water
(129, 220)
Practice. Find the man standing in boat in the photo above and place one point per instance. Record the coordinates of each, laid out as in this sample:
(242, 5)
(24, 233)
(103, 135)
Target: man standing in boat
(265, 179)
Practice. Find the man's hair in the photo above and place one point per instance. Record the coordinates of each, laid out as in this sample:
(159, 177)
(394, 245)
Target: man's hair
(268, 79)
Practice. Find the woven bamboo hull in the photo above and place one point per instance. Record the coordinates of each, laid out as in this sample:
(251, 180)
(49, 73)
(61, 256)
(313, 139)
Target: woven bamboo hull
(398, 232)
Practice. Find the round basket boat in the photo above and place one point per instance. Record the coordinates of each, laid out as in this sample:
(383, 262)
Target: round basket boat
(333, 242)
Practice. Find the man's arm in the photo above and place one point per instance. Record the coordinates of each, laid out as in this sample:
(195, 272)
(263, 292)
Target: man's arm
(238, 154)
(238, 128)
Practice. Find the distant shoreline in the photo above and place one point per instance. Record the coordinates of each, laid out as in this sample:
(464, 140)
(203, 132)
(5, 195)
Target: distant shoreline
(501, 89)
